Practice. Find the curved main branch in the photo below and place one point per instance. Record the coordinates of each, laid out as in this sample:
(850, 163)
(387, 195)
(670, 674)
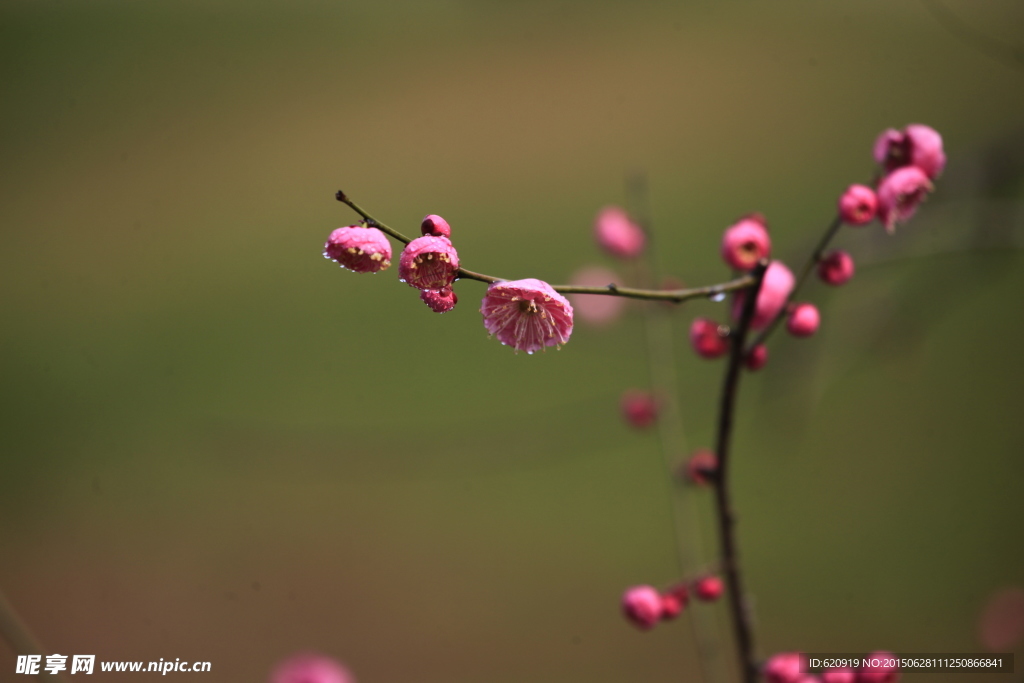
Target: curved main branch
(612, 289)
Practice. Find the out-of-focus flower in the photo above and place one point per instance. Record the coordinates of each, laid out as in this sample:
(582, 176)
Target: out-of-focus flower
(917, 145)
(836, 267)
(858, 205)
(783, 668)
(899, 194)
(596, 309)
(1001, 625)
(639, 408)
(642, 605)
(804, 320)
(746, 242)
(618, 234)
(775, 289)
(310, 668)
(708, 338)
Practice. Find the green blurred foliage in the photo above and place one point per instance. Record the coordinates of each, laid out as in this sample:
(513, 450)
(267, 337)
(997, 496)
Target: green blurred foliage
(219, 446)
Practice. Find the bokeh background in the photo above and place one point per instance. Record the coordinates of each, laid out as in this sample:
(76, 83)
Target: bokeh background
(219, 446)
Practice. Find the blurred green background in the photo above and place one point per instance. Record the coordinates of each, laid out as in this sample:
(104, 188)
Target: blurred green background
(219, 446)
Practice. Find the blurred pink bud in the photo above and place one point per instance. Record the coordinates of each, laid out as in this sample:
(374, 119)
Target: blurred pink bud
(596, 309)
(526, 314)
(640, 408)
(310, 668)
(618, 234)
(428, 263)
(757, 357)
(671, 606)
(783, 668)
(881, 669)
(899, 193)
(917, 145)
(803, 321)
(708, 588)
(642, 606)
(775, 289)
(1001, 625)
(441, 300)
(702, 467)
(361, 250)
(838, 675)
(836, 267)
(746, 243)
(436, 226)
(858, 205)
(709, 339)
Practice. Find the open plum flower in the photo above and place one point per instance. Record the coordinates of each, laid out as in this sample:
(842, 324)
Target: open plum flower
(527, 314)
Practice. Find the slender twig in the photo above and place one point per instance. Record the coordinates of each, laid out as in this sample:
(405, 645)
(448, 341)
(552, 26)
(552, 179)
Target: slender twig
(809, 266)
(728, 550)
(21, 640)
(675, 295)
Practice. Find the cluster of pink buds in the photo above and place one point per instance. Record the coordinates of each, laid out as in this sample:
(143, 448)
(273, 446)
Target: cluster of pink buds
(645, 606)
(790, 667)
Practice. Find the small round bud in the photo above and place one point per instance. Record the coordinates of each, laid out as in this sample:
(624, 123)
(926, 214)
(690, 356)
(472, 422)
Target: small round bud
(858, 205)
(899, 195)
(435, 226)
(708, 588)
(671, 606)
(441, 300)
(639, 408)
(642, 606)
(838, 675)
(756, 357)
(783, 668)
(428, 263)
(880, 668)
(708, 338)
(361, 250)
(746, 243)
(310, 668)
(702, 467)
(803, 321)
(836, 268)
(618, 234)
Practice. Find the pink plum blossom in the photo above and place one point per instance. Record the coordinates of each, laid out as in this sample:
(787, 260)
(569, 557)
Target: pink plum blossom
(858, 205)
(435, 226)
(783, 668)
(803, 320)
(917, 145)
(836, 267)
(643, 606)
(527, 314)
(746, 243)
(899, 194)
(428, 262)
(639, 408)
(310, 668)
(361, 250)
(441, 300)
(596, 309)
(775, 289)
(708, 338)
(618, 234)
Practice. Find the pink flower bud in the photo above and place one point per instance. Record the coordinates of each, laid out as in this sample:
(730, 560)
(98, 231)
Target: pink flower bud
(838, 675)
(708, 588)
(899, 193)
(428, 263)
(618, 234)
(783, 668)
(1001, 624)
(596, 309)
(702, 467)
(310, 668)
(439, 301)
(526, 314)
(746, 243)
(836, 267)
(436, 226)
(775, 288)
(858, 205)
(640, 408)
(361, 250)
(881, 669)
(803, 321)
(756, 358)
(642, 606)
(918, 145)
(671, 606)
(709, 339)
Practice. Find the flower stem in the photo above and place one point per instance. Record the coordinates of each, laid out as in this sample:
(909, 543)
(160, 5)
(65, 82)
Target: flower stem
(726, 517)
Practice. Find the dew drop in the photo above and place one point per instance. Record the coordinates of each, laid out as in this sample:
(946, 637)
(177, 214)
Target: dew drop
(719, 296)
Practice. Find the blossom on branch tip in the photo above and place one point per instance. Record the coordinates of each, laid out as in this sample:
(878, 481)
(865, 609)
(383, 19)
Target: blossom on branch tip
(310, 668)
(776, 286)
(441, 300)
(639, 408)
(527, 314)
(746, 242)
(361, 250)
(428, 262)
(708, 338)
(858, 205)
(803, 321)
(899, 193)
(756, 357)
(643, 606)
(836, 267)
(708, 588)
(618, 234)
(435, 226)
(596, 309)
(916, 145)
